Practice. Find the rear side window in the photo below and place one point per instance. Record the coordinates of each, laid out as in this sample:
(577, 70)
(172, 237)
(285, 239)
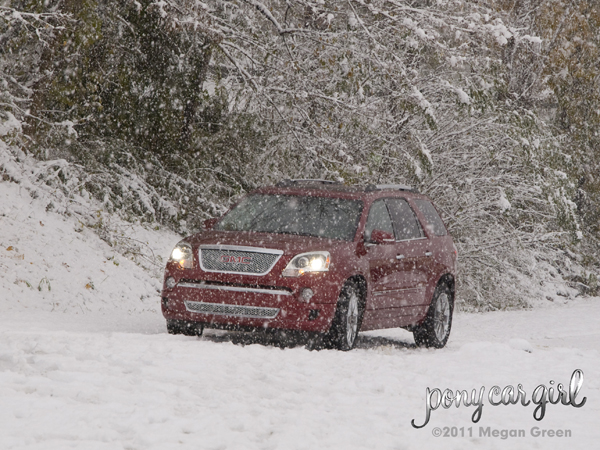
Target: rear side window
(405, 222)
(432, 217)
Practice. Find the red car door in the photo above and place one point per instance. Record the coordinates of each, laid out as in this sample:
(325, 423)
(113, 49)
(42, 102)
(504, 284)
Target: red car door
(413, 257)
(383, 273)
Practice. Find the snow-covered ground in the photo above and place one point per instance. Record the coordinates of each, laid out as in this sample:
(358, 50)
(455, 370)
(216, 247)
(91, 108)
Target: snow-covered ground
(65, 384)
(85, 362)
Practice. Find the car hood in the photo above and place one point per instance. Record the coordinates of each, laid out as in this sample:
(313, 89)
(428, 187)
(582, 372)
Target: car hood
(290, 244)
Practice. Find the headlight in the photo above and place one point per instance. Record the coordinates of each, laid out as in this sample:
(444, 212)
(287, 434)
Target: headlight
(183, 255)
(307, 262)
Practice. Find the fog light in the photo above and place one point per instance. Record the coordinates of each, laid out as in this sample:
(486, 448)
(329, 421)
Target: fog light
(170, 283)
(306, 294)
(313, 314)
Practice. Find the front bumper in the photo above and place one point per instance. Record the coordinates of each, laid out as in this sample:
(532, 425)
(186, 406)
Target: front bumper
(240, 303)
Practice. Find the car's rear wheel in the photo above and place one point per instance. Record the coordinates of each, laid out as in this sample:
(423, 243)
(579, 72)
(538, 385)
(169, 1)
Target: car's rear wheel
(184, 327)
(435, 329)
(346, 322)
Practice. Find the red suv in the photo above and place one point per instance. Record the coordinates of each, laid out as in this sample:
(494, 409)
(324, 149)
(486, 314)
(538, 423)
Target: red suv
(317, 256)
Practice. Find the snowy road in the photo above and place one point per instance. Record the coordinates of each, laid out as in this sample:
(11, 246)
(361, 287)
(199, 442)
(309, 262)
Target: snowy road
(94, 382)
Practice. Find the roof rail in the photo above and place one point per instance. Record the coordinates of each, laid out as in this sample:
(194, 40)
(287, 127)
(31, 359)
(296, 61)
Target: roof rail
(289, 182)
(396, 187)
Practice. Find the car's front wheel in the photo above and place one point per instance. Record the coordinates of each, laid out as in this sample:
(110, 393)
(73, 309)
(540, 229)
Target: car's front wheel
(435, 329)
(346, 322)
(184, 327)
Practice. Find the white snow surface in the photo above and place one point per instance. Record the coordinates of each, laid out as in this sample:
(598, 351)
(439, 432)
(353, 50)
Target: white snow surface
(86, 363)
(11, 124)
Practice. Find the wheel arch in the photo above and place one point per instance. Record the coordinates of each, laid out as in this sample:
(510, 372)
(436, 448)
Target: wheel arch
(426, 332)
(448, 280)
(361, 282)
(338, 332)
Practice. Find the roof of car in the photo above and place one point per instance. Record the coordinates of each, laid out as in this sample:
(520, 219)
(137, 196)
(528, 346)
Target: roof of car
(336, 185)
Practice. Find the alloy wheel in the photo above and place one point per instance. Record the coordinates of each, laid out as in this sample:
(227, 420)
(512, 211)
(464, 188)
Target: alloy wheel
(441, 317)
(352, 318)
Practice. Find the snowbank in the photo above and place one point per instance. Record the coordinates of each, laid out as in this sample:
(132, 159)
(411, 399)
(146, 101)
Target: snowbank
(56, 262)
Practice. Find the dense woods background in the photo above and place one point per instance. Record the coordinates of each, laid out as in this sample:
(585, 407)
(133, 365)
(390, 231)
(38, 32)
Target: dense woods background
(167, 111)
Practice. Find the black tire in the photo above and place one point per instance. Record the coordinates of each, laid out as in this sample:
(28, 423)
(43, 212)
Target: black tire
(185, 328)
(348, 316)
(435, 329)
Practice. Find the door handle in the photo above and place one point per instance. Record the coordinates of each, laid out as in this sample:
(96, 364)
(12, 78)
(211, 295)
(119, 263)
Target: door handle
(428, 254)
(399, 257)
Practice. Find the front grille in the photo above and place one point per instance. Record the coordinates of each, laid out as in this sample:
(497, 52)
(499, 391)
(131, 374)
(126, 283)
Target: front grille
(217, 286)
(221, 309)
(238, 260)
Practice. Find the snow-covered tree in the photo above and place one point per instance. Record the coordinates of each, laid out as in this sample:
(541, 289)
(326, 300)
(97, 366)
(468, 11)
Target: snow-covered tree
(176, 107)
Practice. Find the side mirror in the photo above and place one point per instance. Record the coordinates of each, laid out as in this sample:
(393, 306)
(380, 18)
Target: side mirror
(210, 223)
(381, 237)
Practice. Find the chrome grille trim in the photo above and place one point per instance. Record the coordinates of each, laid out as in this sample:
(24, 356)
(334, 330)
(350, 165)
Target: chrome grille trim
(243, 248)
(262, 259)
(222, 309)
(218, 287)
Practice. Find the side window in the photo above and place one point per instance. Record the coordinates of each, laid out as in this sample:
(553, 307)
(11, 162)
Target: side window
(432, 217)
(379, 219)
(405, 222)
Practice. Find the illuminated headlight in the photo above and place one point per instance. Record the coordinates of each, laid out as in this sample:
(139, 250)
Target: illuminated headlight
(307, 262)
(183, 255)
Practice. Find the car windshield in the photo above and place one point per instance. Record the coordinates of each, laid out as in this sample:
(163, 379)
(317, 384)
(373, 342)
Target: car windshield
(333, 218)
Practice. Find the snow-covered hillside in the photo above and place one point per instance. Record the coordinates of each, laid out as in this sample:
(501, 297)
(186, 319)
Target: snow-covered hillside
(86, 363)
(52, 263)
(57, 262)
